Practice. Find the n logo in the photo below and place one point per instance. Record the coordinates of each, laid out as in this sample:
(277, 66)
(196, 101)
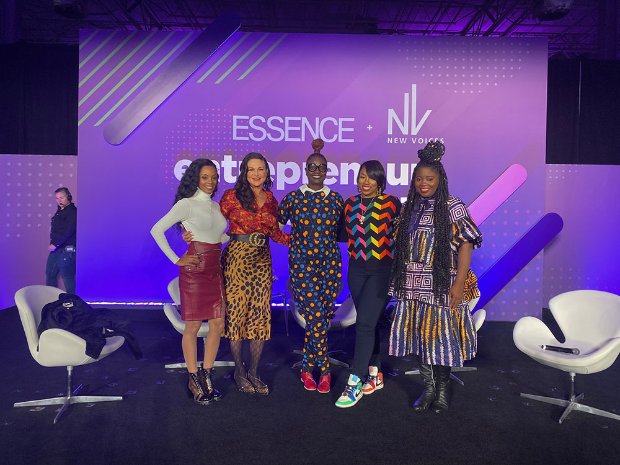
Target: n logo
(408, 125)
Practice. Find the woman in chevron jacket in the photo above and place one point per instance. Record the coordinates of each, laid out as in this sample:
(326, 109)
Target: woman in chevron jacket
(368, 220)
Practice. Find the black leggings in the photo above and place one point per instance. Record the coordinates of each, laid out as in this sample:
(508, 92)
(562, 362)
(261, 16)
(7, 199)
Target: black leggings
(369, 290)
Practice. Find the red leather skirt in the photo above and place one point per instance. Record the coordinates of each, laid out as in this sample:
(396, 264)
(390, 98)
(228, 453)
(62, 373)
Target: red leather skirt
(202, 286)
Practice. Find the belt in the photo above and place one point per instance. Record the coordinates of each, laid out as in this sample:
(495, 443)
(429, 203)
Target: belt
(256, 239)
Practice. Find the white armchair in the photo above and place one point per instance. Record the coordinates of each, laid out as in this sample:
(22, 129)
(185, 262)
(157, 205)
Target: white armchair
(590, 321)
(172, 313)
(57, 347)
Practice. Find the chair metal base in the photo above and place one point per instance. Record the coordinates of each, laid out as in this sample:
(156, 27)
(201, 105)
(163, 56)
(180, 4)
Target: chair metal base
(332, 361)
(70, 398)
(572, 403)
(452, 375)
(217, 363)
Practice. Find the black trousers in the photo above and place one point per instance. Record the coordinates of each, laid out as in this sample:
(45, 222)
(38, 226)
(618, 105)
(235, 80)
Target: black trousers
(369, 290)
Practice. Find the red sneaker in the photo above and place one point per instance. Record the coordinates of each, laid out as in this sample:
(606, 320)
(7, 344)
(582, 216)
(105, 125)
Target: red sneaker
(308, 380)
(325, 383)
(372, 383)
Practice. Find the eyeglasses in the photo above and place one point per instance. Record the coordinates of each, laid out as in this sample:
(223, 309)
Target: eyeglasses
(312, 167)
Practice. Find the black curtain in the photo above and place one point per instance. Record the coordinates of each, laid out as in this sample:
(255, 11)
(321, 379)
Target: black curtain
(563, 112)
(599, 122)
(38, 99)
(583, 112)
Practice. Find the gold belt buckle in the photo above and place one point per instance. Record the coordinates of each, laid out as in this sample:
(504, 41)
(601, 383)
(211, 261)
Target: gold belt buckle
(257, 239)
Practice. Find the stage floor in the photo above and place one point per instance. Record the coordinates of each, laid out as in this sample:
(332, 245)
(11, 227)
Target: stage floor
(157, 423)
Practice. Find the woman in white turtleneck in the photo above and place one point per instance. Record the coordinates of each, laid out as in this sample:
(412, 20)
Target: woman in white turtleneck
(200, 274)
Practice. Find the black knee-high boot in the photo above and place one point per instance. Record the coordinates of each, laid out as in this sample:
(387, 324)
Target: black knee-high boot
(427, 397)
(442, 400)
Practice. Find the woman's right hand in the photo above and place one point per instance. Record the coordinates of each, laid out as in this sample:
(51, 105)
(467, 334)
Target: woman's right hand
(188, 260)
(188, 236)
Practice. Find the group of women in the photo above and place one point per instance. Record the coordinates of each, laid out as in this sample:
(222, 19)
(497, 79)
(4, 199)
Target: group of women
(419, 255)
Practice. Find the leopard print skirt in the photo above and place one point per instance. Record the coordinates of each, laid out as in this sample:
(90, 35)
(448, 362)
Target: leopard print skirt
(248, 278)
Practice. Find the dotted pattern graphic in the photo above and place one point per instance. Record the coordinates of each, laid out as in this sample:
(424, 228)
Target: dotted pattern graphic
(465, 67)
(31, 181)
(203, 134)
(523, 296)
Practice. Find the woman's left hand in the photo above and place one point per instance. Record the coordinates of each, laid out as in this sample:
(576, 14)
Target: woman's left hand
(456, 295)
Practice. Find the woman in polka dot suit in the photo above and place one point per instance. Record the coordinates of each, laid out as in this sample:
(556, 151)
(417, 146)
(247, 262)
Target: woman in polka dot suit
(314, 262)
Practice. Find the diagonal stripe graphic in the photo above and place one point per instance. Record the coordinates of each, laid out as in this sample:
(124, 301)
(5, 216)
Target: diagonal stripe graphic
(143, 79)
(99, 47)
(262, 57)
(118, 66)
(240, 60)
(127, 76)
(106, 59)
(88, 39)
(497, 193)
(493, 280)
(226, 55)
(170, 79)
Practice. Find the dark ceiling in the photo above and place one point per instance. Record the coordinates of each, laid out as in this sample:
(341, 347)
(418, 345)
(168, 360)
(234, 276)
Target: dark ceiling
(573, 27)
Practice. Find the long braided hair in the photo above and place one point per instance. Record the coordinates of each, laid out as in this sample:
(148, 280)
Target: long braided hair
(243, 191)
(430, 157)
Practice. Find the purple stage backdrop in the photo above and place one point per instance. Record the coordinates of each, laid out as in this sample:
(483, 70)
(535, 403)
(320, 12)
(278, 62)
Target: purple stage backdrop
(586, 254)
(26, 209)
(368, 97)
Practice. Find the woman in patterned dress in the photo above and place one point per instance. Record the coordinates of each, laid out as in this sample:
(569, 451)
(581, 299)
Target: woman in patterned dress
(251, 210)
(432, 281)
(314, 263)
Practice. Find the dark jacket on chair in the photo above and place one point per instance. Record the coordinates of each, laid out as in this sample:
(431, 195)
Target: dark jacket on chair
(72, 314)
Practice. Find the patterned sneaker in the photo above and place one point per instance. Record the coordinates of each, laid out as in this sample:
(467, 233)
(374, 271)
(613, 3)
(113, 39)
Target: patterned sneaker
(351, 394)
(372, 383)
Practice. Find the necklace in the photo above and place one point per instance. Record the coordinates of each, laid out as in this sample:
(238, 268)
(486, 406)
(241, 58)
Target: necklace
(365, 210)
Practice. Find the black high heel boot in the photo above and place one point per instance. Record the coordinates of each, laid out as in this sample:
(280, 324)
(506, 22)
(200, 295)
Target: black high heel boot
(442, 401)
(195, 388)
(206, 378)
(427, 397)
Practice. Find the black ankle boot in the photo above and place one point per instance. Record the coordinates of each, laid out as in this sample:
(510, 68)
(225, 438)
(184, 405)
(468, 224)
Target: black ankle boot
(428, 396)
(206, 378)
(442, 401)
(197, 391)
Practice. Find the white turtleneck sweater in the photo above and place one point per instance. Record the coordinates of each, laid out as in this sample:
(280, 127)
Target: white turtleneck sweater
(199, 215)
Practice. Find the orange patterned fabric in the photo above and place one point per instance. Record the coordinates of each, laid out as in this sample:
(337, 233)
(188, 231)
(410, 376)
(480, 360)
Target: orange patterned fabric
(263, 220)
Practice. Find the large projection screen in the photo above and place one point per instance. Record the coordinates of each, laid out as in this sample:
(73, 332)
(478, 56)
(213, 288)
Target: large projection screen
(152, 102)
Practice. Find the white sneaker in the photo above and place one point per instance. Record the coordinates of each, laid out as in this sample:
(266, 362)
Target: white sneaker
(352, 393)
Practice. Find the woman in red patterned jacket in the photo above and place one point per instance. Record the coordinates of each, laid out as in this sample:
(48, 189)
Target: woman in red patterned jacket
(251, 210)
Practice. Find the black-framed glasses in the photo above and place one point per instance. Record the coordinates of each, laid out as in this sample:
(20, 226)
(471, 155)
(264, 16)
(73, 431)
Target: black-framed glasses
(312, 167)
